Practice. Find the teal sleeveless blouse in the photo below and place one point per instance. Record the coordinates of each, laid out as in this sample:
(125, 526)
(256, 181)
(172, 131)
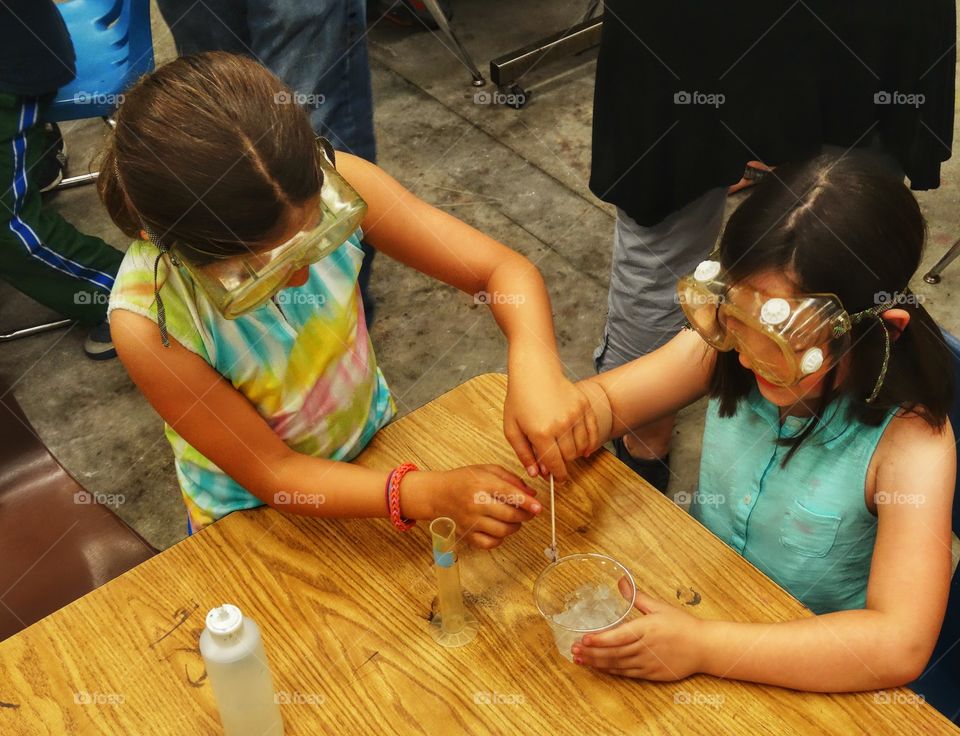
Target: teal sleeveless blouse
(805, 525)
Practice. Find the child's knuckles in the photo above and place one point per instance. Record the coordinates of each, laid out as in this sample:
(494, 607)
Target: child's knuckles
(541, 436)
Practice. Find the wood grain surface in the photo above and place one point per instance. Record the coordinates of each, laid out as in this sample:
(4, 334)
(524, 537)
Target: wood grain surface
(344, 607)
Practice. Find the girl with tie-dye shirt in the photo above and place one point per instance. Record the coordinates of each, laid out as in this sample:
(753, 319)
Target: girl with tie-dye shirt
(210, 164)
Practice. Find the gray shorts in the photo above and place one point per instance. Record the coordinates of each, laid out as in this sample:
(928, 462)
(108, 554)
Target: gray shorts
(642, 310)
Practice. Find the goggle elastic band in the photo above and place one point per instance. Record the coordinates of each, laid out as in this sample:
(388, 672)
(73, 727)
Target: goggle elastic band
(899, 297)
(161, 310)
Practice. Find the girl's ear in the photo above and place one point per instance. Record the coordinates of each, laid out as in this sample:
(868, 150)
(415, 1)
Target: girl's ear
(896, 321)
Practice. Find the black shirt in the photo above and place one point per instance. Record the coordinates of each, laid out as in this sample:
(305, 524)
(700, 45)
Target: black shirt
(687, 92)
(36, 54)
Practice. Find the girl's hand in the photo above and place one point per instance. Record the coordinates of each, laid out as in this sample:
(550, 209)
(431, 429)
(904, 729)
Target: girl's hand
(666, 644)
(487, 502)
(548, 421)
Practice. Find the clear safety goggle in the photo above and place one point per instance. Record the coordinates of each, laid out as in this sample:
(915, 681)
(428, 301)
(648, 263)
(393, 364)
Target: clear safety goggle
(784, 338)
(238, 284)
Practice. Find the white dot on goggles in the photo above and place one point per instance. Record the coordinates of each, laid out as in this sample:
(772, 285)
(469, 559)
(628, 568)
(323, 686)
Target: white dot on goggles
(774, 311)
(707, 271)
(811, 361)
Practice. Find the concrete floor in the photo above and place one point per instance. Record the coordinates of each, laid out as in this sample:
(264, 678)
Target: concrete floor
(520, 176)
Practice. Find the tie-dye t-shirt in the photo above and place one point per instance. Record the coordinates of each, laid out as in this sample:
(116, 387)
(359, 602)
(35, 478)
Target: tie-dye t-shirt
(303, 359)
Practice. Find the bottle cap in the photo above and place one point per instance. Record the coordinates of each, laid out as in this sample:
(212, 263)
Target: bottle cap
(224, 620)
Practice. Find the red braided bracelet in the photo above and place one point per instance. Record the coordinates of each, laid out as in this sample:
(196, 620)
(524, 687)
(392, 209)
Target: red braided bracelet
(393, 497)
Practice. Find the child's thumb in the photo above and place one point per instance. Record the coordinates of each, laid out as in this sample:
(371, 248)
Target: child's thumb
(646, 604)
(641, 602)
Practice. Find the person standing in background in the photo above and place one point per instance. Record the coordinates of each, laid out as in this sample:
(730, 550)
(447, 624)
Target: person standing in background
(688, 93)
(41, 254)
(317, 48)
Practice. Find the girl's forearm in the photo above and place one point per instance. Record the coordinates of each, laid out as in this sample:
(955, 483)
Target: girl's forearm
(309, 486)
(521, 307)
(836, 652)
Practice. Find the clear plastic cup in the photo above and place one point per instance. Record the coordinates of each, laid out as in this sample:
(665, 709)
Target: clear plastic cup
(581, 594)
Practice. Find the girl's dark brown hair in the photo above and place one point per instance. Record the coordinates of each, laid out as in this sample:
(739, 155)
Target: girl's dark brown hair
(842, 225)
(208, 151)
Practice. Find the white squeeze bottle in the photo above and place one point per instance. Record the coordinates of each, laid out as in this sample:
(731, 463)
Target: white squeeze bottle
(239, 674)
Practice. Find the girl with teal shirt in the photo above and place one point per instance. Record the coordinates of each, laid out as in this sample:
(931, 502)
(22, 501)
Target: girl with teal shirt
(828, 460)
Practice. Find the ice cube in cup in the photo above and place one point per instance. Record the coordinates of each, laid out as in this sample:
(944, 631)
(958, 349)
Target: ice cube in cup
(580, 594)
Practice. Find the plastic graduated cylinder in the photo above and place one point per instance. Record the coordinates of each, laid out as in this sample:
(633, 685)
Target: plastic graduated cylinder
(454, 625)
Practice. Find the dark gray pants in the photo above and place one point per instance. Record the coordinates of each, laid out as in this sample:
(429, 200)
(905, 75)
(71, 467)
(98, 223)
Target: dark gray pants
(643, 312)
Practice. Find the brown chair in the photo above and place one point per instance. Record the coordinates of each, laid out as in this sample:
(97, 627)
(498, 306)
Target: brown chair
(56, 542)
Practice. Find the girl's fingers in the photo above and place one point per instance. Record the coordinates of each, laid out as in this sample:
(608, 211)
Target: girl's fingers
(622, 635)
(551, 460)
(494, 528)
(518, 441)
(593, 431)
(568, 444)
(635, 672)
(512, 478)
(605, 663)
(581, 439)
(483, 541)
(509, 495)
(509, 514)
(644, 602)
(593, 655)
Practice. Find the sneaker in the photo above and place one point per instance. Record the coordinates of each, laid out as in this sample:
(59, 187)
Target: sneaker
(99, 345)
(49, 169)
(656, 470)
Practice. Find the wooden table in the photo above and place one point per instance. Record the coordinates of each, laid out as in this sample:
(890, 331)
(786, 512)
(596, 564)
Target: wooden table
(344, 607)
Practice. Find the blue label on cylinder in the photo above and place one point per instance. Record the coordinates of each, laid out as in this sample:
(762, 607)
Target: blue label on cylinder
(444, 559)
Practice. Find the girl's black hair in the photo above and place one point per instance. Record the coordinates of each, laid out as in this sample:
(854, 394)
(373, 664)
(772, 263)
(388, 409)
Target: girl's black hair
(843, 225)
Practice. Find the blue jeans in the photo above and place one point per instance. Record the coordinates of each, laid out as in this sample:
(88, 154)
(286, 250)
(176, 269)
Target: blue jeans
(317, 47)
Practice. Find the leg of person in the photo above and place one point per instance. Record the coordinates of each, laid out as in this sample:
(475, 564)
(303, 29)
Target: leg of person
(319, 49)
(643, 312)
(41, 254)
(211, 25)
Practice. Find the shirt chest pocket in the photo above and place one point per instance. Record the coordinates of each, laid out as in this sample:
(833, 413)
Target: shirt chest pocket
(807, 532)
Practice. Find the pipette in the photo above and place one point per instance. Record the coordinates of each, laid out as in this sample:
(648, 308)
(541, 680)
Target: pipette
(551, 551)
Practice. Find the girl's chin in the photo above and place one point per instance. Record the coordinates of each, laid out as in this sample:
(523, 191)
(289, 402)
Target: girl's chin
(775, 394)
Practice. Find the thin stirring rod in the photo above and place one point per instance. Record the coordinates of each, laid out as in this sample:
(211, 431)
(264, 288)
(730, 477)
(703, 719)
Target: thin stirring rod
(553, 522)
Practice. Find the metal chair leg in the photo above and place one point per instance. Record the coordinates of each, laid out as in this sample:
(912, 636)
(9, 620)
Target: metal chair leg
(933, 275)
(459, 50)
(78, 181)
(81, 179)
(508, 69)
(35, 330)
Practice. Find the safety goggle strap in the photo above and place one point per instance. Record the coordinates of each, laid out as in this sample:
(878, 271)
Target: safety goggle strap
(161, 310)
(899, 297)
